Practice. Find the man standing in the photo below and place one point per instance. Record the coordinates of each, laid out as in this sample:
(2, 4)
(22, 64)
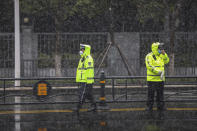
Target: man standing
(155, 62)
(85, 77)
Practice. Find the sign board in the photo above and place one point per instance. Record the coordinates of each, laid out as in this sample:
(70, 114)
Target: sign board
(42, 89)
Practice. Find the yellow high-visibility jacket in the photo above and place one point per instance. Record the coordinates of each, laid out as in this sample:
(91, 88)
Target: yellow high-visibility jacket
(155, 62)
(85, 69)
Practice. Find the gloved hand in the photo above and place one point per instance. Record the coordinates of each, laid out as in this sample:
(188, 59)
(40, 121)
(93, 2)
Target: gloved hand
(162, 75)
(159, 72)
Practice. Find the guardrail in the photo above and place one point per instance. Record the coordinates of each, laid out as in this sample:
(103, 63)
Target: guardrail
(118, 89)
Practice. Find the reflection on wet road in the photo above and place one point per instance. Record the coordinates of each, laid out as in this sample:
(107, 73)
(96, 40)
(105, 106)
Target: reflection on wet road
(115, 119)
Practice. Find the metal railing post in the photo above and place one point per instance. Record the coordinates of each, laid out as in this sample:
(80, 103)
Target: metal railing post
(126, 89)
(4, 91)
(113, 95)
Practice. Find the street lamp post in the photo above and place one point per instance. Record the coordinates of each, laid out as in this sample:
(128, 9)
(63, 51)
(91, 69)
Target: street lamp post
(17, 61)
(17, 42)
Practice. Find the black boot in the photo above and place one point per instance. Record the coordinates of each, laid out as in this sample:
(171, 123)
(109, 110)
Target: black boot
(93, 107)
(77, 109)
(149, 109)
(161, 108)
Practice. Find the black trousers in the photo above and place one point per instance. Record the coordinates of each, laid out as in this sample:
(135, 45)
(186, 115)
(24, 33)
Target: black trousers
(85, 92)
(157, 87)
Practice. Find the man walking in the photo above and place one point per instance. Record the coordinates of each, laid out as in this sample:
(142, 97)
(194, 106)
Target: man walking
(155, 62)
(85, 77)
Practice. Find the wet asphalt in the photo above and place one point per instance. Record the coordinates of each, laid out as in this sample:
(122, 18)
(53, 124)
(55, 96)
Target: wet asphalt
(179, 116)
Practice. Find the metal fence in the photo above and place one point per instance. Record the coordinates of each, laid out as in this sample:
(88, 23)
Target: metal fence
(69, 46)
(7, 54)
(116, 89)
(43, 64)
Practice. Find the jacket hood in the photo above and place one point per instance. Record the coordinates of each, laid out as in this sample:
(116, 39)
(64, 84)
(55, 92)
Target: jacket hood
(155, 48)
(87, 50)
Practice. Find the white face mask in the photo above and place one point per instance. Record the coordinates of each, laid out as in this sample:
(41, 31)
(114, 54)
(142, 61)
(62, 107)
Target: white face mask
(81, 52)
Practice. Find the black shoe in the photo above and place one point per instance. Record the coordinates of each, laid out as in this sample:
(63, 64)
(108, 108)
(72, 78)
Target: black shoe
(161, 108)
(92, 108)
(75, 110)
(149, 109)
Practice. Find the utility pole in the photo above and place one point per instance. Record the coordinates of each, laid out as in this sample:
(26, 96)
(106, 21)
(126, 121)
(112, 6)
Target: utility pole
(17, 42)
(17, 64)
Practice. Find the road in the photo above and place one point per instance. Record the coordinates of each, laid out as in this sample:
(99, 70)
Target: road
(179, 116)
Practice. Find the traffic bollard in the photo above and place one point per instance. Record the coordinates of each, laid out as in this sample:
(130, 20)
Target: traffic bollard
(102, 103)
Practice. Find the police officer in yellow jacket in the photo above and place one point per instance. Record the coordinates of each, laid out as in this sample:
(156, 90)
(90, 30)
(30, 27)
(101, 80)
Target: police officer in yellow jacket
(85, 77)
(155, 62)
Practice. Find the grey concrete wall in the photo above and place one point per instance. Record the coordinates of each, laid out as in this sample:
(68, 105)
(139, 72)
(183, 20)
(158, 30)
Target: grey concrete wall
(129, 44)
(29, 51)
(29, 43)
